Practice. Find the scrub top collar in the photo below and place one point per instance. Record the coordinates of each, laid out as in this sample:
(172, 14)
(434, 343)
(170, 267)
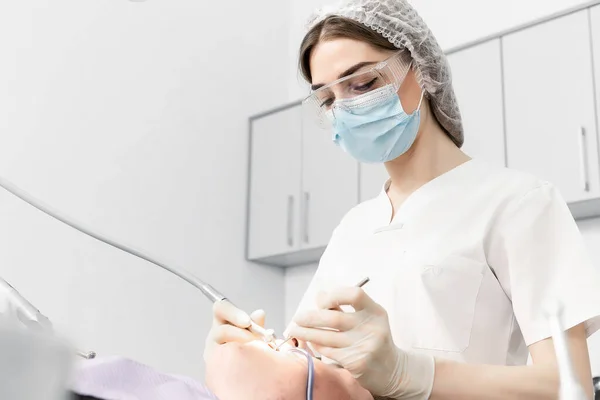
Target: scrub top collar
(420, 198)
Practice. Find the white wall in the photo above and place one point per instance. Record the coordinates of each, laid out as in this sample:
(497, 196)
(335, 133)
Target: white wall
(132, 117)
(452, 22)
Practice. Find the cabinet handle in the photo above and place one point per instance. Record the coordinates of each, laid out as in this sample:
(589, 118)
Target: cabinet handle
(585, 183)
(290, 221)
(306, 216)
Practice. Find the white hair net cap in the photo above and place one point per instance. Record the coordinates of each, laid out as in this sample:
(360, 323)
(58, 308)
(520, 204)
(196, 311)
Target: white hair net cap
(400, 24)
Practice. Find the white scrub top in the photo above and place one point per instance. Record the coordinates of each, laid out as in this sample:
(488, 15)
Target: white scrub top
(468, 264)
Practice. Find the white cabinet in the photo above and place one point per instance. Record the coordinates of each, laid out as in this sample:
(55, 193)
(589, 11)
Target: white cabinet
(595, 37)
(528, 100)
(300, 187)
(477, 82)
(549, 102)
(329, 185)
(275, 171)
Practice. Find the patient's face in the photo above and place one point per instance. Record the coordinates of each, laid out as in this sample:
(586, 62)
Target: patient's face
(256, 371)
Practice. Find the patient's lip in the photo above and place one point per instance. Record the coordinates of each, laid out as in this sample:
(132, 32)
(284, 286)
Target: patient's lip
(281, 346)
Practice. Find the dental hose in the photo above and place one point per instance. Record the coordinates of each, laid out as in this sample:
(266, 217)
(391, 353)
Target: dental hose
(310, 380)
(183, 274)
(27, 198)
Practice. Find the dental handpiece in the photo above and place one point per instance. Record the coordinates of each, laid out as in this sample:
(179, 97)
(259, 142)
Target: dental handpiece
(215, 296)
(208, 290)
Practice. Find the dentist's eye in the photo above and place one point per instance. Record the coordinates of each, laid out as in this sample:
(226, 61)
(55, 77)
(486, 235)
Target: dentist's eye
(327, 103)
(365, 87)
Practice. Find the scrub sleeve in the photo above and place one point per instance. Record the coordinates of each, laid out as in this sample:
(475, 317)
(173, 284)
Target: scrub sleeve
(539, 257)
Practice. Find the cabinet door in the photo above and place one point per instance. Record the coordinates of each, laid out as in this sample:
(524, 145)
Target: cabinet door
(477, 82)
(275, 163)
(372, 179)
(595, 37)
(329, 185)
(549, 100)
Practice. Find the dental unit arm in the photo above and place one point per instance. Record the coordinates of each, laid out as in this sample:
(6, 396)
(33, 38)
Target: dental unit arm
(26, 313)
(268, 335)
(29, 315)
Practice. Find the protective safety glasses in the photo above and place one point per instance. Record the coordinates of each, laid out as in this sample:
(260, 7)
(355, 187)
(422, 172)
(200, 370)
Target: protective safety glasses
(360, 89)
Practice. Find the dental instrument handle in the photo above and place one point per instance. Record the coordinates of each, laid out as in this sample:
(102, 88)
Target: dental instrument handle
(258, 330)
(363, 282)
(215, 296)
(266, 334)
(212, 294)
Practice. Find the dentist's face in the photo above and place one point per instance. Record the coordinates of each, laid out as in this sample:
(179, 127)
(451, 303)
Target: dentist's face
(336, 58)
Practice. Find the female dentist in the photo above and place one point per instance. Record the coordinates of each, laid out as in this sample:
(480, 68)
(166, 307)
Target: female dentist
(463, 257)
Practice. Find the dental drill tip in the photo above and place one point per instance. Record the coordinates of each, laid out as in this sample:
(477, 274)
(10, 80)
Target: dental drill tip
(363, 282)
(282, 343)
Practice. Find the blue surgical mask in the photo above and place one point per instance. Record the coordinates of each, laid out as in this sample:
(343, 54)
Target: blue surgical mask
(374, 128)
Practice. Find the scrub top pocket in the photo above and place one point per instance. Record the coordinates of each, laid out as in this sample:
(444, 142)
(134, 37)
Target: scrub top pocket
(445, 296)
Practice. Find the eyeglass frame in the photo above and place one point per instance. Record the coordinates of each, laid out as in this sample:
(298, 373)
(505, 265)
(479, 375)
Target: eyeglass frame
(374, 69)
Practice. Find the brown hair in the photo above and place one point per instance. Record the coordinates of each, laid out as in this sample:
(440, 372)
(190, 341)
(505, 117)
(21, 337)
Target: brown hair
(335, 27)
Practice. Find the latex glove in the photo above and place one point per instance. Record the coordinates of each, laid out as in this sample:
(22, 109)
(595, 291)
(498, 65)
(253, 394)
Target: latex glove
(229, 325)
(361, 342)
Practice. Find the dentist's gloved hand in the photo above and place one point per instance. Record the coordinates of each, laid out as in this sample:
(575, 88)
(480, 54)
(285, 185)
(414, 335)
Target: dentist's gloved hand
(229, 325)
(362, 343)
